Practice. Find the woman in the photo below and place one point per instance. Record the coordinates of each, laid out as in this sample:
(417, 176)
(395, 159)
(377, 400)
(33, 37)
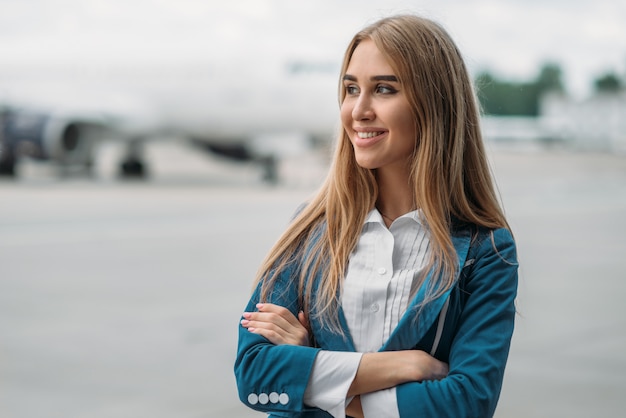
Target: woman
(392, 291)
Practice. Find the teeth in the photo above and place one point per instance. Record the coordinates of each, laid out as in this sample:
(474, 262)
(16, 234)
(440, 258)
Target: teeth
(364, 135)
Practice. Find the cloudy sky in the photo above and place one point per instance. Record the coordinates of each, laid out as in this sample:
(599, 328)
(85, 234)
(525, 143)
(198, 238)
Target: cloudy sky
(509, 37)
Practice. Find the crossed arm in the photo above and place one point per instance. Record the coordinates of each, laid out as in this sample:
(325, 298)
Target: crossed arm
(376, 371)
(478, 350)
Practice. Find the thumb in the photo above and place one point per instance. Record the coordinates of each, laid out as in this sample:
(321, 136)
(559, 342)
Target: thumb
(303, 319)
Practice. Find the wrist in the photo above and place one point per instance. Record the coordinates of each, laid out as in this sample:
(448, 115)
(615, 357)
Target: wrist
(404, 366)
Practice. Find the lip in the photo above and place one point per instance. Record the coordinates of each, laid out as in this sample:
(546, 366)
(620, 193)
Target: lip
(368, 142)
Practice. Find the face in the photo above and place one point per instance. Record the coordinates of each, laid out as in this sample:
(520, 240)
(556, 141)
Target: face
(375, 112)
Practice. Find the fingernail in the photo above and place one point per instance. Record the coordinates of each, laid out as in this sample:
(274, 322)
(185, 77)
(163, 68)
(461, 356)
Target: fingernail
(247, 315)
(244, 322)
(259, 305)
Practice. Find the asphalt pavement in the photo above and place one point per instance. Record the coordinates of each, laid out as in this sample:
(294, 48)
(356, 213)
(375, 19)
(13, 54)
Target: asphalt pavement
(121, 299)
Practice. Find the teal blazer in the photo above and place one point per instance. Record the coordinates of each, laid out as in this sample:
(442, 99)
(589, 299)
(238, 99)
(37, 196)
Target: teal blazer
(469, 327)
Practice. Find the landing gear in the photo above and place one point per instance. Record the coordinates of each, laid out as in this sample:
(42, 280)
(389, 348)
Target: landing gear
(7, 151)
(132, 168)
(269, 165)
(132, 165)
(7, 166)
(240, 153)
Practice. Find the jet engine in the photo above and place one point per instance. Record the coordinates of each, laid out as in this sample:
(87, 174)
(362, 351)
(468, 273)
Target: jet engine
(66, 142)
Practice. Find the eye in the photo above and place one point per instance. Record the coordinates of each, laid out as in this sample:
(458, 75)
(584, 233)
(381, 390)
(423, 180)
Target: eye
(385, 89)
(352, 90)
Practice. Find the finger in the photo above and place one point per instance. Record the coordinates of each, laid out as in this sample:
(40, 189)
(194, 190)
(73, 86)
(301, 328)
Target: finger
(304, 321)
(283, 316)
(274, 328)
(266, 319)
(281, 311)
(276, 335)
(271, 335)
(295, 335)
(277, 324)
(264, 328)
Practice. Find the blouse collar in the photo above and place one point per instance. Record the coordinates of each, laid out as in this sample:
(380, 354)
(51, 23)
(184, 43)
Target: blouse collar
(374, 216)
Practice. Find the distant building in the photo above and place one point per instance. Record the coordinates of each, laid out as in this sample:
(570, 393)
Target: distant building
(518, 131)
(597, 123)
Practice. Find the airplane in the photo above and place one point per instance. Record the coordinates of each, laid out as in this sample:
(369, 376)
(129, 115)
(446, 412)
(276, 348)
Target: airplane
(255, 112)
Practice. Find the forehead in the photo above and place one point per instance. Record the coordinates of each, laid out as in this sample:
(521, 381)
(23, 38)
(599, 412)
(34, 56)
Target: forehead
(367, 60)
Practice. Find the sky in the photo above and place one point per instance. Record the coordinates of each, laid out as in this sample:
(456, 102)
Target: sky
(511, 38)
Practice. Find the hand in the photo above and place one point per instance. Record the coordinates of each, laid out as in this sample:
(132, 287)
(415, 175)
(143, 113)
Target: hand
(423, 366)
(277, 324)
(386, 369)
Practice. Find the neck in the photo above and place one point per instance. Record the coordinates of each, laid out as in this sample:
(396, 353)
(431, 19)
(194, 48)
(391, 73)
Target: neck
(395, 196)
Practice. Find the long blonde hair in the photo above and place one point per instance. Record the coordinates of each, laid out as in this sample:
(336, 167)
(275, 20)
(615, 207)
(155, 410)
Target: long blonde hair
(450, 175)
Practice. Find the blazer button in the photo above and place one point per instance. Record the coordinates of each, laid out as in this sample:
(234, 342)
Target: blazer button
(263, 398)
(274, 397)
(253, 399)
(283, 399)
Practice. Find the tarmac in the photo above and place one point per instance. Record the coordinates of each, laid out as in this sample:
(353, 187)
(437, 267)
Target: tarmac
(122, 299)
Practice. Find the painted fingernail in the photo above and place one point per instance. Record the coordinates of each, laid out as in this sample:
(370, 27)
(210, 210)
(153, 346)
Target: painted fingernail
(244, 322)
(247, 315)
(259, 305)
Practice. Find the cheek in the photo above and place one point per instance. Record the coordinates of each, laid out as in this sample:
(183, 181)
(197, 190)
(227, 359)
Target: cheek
(406, 123)
(409, 128)
(346, 115)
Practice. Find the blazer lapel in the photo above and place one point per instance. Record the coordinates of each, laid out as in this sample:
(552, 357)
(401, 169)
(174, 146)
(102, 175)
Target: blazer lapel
(418, 319)
(329, 340)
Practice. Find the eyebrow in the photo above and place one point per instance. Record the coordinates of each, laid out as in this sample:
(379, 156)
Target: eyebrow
(391, 78)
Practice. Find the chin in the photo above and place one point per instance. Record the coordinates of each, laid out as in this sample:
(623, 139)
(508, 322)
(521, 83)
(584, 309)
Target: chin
(370, 165)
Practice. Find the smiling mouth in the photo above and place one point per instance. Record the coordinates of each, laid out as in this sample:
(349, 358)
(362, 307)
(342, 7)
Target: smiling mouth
(366, 135)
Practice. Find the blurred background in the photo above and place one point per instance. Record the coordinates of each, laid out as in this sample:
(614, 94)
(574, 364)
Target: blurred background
(152, 151)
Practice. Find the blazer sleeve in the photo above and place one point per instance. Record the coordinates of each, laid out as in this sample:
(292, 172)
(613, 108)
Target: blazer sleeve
(273, 378)
(480, 346)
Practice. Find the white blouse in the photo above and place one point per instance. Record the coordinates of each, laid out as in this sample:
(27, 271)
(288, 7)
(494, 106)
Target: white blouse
(379, 281)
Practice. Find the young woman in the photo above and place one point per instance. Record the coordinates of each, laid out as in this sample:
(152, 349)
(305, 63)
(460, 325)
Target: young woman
(391, 293)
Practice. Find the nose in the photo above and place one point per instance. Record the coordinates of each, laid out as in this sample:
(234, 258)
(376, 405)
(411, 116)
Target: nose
(362, 109)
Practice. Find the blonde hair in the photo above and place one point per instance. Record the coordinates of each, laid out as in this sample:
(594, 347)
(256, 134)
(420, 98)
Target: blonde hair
(450, 175)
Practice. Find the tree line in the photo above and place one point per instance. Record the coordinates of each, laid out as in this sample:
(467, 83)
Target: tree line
(522, 98)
